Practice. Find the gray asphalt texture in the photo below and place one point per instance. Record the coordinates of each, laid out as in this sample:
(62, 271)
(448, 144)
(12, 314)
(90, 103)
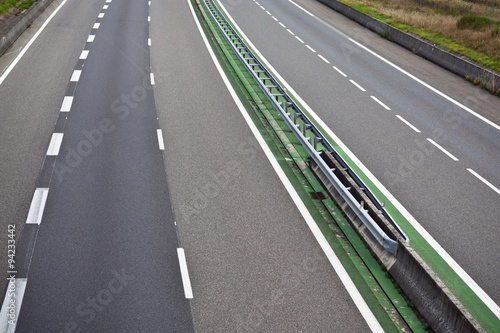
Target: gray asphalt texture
(458, 210)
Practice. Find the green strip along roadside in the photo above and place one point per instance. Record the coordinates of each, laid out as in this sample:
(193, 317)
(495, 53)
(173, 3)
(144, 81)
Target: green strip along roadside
(383, 298)
(467, 297)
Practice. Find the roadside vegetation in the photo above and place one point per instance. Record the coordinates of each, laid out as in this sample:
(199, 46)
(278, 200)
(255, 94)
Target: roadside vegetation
(6, 5)
(468, 27)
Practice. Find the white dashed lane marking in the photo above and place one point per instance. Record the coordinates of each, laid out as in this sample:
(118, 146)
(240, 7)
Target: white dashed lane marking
(408, 124)
(75, 77)
(443, 150)
(490, 185)
(357, 85)
(55, 144)
(310, 48)
(66, 104)
(379, 102)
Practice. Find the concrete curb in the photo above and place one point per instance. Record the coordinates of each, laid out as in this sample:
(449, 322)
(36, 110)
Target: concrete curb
(488, 78)
(10, 35)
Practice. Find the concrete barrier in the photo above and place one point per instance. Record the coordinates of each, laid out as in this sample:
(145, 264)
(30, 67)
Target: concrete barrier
(432, 299)
(489, 79)
(20, 24)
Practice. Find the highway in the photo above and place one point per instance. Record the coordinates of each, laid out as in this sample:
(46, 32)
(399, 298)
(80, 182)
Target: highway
(421, 141)
(117, 114)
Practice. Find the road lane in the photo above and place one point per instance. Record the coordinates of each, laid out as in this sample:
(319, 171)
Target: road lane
(31, 96)
(106, 251)
(442, 195)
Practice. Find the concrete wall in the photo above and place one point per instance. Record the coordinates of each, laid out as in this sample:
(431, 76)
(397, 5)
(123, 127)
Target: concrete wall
(435, 302)
(22, 22)
(456, 64)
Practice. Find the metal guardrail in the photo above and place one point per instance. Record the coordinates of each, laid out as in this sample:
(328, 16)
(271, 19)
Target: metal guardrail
(304, 130)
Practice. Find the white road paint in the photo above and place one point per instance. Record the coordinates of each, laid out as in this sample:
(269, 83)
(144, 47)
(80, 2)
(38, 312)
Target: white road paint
(489, 122)
(274, 18)
(19, 285)
(291, 32)
(262, 7)
(66, 104)
(301, 8)
(105, 7)
(325, 246)
(443, 150)
(108, 1)
(91, 39)
(310, 48)
(161, 144)
(490, 185)
(75, 77)
(37, 206)
(495, 308)
(357, 85)
(323, 58)
(55, 144)
(101, 15)
(149, 18)
(25, 49)
(268, 13)
(284, 26)
(408, 123)
(186, 282)
(152, 78)
(96, 25)
(300, 40)
(379, 102)
(84, 54)
(340, 72)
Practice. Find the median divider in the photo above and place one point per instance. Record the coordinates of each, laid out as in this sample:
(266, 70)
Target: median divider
(431, 298)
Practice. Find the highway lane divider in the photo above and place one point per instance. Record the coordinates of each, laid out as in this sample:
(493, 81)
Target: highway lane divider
(389, 243)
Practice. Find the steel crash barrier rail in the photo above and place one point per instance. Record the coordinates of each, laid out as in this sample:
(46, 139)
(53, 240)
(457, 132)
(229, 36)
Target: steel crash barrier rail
(306, 132)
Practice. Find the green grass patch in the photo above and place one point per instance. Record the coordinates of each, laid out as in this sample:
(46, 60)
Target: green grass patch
(6, 5)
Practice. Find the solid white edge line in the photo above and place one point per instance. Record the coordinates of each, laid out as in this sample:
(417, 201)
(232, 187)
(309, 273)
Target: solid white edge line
(66, 104)
(301, 8)
(407, 123)
(357, 85)
(382, 104)
(354, 293)
(75, 77)
(149, 41)
(186, 282)
(55, 144)
(489, 122)
(152, 77)
(161, 144)
(495, 308)
(17, 299)
(37, 206)
(340, 72)
(484, 181)
(20, 55)
(310, 48)
(443, 150)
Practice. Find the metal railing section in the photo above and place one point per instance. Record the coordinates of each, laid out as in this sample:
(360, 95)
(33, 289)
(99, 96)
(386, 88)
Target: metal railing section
(304, 129)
